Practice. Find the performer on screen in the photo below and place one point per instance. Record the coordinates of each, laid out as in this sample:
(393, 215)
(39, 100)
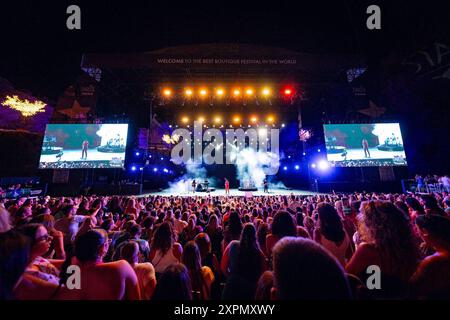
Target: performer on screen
(227, 187)
(194, 185)
(365, 146)
(84, 149)
(266, 185)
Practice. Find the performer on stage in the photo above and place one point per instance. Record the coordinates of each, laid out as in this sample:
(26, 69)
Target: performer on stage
(206, 185)
(365, 146)
(194, 185)
(84, 149)
(266, 185)
(227, 187)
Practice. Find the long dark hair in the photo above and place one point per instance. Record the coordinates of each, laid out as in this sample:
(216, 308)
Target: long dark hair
(174, 284)
(330, 223)
(30, 231)
(163, 238)
(234, 223)
(14, 258)
(192, 260)
(283, 225)
(249, 257)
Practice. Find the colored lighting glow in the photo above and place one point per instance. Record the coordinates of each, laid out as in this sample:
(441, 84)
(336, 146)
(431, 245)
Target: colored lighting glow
(283, 125)
(162, 158)
(141, 168)
(266, 92)
(318, 150)
(165, 170)
(133, 168)
(217, 119)
(297, 167)
(285, 168)
(25, 107)
(201, 119)
(262, 131)
(155, 169)
(236, 92)
(313, 165)
(270, 119)
(236, 119)
(203, 92)
(137, 154)
(185, 119)
(167, 92)
(323, 165)
(253, 119)
(287, 91)
(220, 92)
(188, 92)
(249, 91)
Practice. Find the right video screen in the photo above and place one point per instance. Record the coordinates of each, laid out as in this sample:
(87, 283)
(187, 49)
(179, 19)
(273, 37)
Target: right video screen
(365, 145)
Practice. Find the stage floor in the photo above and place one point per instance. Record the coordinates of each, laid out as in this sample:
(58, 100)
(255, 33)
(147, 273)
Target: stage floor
(75, 155)
(233, 192)
(358, 154)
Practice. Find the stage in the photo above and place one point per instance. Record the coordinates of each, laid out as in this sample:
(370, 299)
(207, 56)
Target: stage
(358, 154)
(233, 192)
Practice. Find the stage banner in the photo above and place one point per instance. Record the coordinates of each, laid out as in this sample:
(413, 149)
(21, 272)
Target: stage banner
(61, 176)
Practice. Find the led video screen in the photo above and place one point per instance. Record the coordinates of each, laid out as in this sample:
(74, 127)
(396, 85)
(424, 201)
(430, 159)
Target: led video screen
(364, 145)
(75, 146)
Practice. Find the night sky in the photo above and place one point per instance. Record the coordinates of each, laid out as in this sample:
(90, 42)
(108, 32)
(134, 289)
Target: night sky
(40, 54)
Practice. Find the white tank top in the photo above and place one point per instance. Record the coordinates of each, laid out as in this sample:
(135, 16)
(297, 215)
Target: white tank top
(161, 262)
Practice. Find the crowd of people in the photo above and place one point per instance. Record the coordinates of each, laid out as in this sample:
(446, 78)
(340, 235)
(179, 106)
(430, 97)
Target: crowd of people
(430, 183)
(226, 247)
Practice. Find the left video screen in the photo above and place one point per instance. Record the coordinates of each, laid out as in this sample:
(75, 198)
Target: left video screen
(78, 146)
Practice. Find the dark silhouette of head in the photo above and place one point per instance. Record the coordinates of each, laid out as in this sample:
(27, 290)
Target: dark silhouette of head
(305, 270)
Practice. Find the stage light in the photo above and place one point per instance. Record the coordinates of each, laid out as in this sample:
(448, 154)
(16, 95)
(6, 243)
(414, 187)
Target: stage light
(141, 168)
(188, 92)
(165, 170)
(217, 119)
(297, 167)
(304, 153)
(133, 168)
(266, 92)
(249, 91)
(201, 119)
(155, 169)
(284, 168)
(287, 91)
(203, 92)
(236, 92)
(162, 158)
(318, 150)
(282, 125)
(150, 156)
(236, 119)
(137, 154)
(167, 92)
(253, 119)
(270, 119)
(323, 165)
(220, 92)
(289, 157)
(313, 165)
(262, 131)
(170, 126)
(185, 119)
